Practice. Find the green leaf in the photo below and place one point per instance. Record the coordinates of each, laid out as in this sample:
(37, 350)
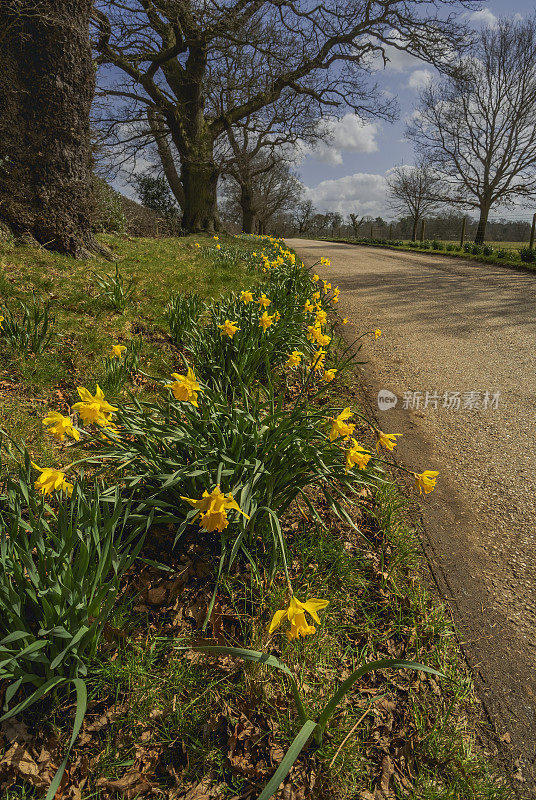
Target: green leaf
(288, 759)
(240, 652)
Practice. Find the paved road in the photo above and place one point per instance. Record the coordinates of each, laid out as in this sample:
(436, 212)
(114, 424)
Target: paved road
(452, 328)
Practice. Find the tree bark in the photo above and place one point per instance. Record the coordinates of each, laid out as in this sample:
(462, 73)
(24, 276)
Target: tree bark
(47, 82)
(414, 230)
(248, 211)
(200, 182)
(482, 223)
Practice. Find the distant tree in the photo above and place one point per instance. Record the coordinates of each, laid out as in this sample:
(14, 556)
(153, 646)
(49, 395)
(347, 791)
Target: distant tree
(303, 215)
(154, 193)
(47, 82)
(173, 53)
(356, 223)
(478, 126)
(412, 191)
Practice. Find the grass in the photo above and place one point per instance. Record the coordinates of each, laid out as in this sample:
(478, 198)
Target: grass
(177, 717)
(86, 325)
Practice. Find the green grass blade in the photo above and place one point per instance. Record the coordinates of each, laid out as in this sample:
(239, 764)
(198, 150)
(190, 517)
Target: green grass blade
(288, 760)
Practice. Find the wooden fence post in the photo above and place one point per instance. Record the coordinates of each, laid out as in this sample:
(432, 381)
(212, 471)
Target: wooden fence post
(462, 237)
(532, 231)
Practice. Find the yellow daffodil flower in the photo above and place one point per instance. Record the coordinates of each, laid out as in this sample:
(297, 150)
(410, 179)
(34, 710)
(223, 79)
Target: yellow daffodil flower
(228, 329)
(295, 613)
(185, 387)
(246, 296)
(52, 480)
(321, 317)
(329, 375)
(323, 339)
(264, 301)
(345, 321)
(325, 261)
(317, 361)
(60, 426)
(308, 307)
(326, 286)
(197, 244)
(340, 426)
(316, 278)
(316, 297)
(377, 333)
(357, 455)
(216, 238)
(254, 255)
(94, 408)
(387, 440)
(425, 481)
(213, 509)
(1, 320)
(294, 359)
(118, 350)
(266, 320)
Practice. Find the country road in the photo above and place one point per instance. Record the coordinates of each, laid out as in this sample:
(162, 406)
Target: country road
(464, 333)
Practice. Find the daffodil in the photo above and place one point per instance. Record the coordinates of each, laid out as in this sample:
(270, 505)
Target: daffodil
(294, 359)
(218, 246)
(321, 317)
(325, 261)
(185, 387)
(377, 333)
(308, 307)
(1, 320)
(264, 301)
(425, 481)
(52, 480)
(323, 339)
(118, 350)
(246, 296)
(228, 329)
(387, 440)
(254, 255)
(317, 361)
(340, 426)
(295, 613)
(265, 321)
(326, 286)
(216, 238)
(345, 321)
(316, 278)
(213, 508)
(197, 244)
(60, 426)
(94, 408)
(357, 455)
(316, 297)
(329, 375)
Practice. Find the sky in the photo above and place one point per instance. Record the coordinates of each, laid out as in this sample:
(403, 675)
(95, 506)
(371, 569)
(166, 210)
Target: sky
(349, 175)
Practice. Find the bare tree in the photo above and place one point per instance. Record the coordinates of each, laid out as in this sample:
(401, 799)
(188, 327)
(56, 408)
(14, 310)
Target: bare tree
(478, 127)
(174, 54)
(47, 82)
(303, 215)
(412, 191)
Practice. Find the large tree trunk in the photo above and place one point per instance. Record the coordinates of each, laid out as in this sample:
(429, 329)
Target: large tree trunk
(414, 230)
(248, 211)
(199, 177)
(482, 223)
(47, 83)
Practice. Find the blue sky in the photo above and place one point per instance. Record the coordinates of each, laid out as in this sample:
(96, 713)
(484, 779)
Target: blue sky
(349, 176)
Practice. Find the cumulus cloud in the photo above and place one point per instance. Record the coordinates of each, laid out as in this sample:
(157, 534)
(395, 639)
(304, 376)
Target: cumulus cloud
(420, 79)
(361, 193)
(349, 134)
(483, 17)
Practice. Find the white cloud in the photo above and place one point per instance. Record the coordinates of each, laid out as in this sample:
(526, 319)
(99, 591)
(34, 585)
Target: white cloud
(361, 193)
(350, 134)
(420, 79)
(483, 17)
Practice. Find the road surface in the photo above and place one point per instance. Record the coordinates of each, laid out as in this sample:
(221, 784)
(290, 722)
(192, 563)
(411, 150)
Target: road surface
(464, 333)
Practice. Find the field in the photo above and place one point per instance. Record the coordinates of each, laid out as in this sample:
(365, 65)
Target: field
(164, 718)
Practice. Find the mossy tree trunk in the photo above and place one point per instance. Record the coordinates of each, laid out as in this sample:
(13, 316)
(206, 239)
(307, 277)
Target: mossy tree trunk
(47, 82)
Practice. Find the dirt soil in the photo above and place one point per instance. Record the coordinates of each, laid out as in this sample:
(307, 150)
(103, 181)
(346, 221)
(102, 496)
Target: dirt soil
(451, 326)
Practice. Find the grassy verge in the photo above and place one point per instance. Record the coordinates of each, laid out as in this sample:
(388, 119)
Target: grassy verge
(507, 256)
(163, 721)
